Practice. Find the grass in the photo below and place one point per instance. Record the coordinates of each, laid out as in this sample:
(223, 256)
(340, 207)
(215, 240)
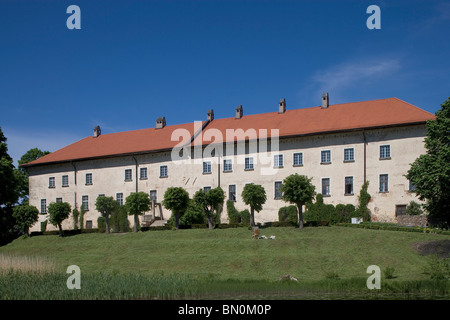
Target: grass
(199, 263)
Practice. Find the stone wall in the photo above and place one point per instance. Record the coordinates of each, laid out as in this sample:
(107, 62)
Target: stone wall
(417, 221)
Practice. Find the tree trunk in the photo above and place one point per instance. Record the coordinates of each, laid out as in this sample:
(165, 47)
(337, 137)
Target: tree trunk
(136, 222)
(210, 222)
(61, 233)
(300, 215)
(177, 221)
(107, 224)
(252, 217)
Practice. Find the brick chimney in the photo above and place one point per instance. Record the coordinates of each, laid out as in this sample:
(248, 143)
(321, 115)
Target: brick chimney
(97, 131)
(325, 100)
(239, 112)
(160, 122)
(210, 115)
(282, 106)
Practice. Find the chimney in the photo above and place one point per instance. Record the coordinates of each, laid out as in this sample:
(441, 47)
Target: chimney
(160, 122)
(210, 115)
(239, 112)
(97, 131)
(325, 101)
(282, 106)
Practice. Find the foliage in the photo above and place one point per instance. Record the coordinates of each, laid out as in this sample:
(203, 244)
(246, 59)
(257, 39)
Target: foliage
(137, 203)
(75, 217)
(288, 214)
(176, 199)
(210, 201)
(430, 172)
(232, 212)
(319, 211)
(343, 213)
(254, 195)
(58, 212)
(81, 218)
(25, 216)
(414, 209)
(106, 205)
(119, 219)
(245, 216)
(192, 216)
(362, 211)
(438, 268)
(101, 224)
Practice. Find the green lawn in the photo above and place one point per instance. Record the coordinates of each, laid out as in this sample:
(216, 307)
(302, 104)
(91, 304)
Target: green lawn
(312, 255)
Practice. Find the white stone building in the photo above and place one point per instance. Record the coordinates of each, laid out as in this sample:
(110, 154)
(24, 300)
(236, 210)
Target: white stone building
(338, 146)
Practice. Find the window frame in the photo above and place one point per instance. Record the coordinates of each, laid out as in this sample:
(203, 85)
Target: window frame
(350, 152)
(51, 182)
(88, 181)
(119, 198)
(207, 167)
(143, 176)
(227, 165)
(230, 193)
(163, 171)
(346, 184)
(326, 194)
(385, 152)
(278, 161)
(249, 164)
(277, 194)
(300, 154)
(325, 152)
(65, 177)
(43, 206)
(85, 202)
(384, 183)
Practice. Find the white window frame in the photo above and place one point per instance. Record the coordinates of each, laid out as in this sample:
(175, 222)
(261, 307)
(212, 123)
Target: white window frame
(249, 163)
(88, 179)
(349, 154)
(385, 151)
(207, 167)
(227, 165)
(143, 173)
(325, 155)
(278, 161)
(326, 194)
(299, 157)
(163, 171)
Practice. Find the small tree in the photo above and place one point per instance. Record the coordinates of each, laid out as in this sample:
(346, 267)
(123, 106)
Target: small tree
(58, 212)
(299, 190)
(176, 199)
(137, 203)
(25, 216)
(254, 195)
(75, 216)
(363, 199)
(106, 205)
(210, 202)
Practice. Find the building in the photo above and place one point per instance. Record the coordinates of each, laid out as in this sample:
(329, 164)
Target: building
(339, 146)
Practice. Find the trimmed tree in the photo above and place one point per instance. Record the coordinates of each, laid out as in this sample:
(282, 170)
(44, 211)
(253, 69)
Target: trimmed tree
(137, 203)
(299, 190)
(254, 195)
(176, 199)
(58, 212)
(25, 216)
(210, 202)
(106, 205)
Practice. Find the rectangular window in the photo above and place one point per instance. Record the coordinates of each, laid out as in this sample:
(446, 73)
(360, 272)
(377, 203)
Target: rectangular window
(326, 186)
(278, 161)
(119, 198)
(85, 203)
(232, 192)
(249, 163)
(277, 192)
(58, 199)
(298, 159)
(384, 183)
(412, 187)
(88, 224)
(153, 195)
(206, 189)
(325, 156)
(163, 172)
(349, 154)
(143, 173)
(65, 181)
(227, 165)
(88, 180)
(43, 205)
(206, 166)
(348, 185)
(51, 182)
(128, 175)
(385, 152)
(400, 210)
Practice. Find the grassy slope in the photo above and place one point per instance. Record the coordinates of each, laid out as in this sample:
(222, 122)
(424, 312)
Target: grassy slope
(309, 254)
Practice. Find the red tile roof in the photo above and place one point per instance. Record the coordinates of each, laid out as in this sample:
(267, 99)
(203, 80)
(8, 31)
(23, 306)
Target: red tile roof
(338, 117)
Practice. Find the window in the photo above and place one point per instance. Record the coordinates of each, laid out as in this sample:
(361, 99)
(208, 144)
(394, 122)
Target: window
(101, 194)
(163, 171)
(400, 210)
(227, 165)
(232, 192)
(248, 163)
(58, 199)
(51, 182)
(385, 152)
(278, 193)
(298, 159)
(325, 156)
(326, 186)
(88, 179)
(278, 161)
(143, 173)
(128, 175)
(88, 224)
(349, 154)
(65, 181)
(348, 185)
(384, 183)
(153, 195)
(85, 203)
(43, 205)
(119, 198)
(412, 187)
(206, 189)
(206, 166)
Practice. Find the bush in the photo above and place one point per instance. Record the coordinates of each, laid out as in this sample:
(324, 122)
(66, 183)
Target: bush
(245, 216)
(319, 211)
(344, 213)
(101, 224)
(364, 197)
(414, 209)
(288, 214)
(119, 220)
(233, 213)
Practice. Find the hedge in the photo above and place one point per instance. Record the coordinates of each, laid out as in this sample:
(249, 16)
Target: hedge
(392, 227)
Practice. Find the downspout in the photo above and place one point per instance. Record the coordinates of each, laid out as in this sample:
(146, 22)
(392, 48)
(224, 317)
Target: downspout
(136, 173)
(365, 156)
(75, 181)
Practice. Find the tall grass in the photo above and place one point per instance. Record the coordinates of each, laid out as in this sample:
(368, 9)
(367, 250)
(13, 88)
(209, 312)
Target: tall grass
(33, 264)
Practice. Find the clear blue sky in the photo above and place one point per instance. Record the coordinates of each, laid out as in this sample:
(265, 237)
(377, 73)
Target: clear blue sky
(134, 61)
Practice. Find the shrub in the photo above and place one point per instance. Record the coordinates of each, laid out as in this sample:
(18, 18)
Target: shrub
(245, 216)
(119, 220)
(363, 200)
(101, 224)
(414, 209)
(288, 214)
(389, 272)
(233, 213)
(438, 268)
(343, 213)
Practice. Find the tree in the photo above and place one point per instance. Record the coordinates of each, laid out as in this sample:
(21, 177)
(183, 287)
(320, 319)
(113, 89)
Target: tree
(137, 203)
(254, 195)
(22, 174)
(299, 190)
(106, 205)
(25, 216)
(58, 212)
(430, 172)
(210, 202)
(363, 200)
(176, 199)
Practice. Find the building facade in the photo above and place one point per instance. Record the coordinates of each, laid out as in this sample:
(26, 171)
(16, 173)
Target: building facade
(338, 146)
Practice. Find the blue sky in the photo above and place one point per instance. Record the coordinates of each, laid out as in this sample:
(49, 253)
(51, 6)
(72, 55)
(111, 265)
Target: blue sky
(134, 61)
